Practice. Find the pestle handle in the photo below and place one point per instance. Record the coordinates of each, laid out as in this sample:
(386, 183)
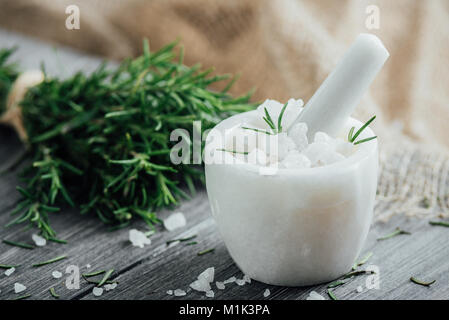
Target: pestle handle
(335, 100)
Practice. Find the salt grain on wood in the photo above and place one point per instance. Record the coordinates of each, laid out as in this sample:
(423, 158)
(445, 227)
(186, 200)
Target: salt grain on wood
(266, 293)
(56, 274)
(18, 287)
(97, 291)
(179, 293)
(10, 271)
(175, 221)
(38, 240)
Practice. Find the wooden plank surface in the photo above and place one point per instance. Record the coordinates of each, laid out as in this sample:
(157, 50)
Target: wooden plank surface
(148, 273)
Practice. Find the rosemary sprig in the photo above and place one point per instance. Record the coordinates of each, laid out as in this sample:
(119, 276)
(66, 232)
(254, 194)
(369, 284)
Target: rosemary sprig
(439, 223)
(53, 293)
(18, 244)
(395, 233)
(101, 142)
(351, 137)
(335, 284)
(23, 297)
(422, 283)
(40, 264)
(206, 251)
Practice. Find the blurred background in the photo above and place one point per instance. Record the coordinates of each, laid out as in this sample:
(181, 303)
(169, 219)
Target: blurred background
(283, 48)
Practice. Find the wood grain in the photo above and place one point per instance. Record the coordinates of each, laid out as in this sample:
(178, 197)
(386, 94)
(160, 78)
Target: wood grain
(148, 273)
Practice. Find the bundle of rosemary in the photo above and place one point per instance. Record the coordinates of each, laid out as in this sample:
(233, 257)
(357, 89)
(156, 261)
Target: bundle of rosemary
(101, 142)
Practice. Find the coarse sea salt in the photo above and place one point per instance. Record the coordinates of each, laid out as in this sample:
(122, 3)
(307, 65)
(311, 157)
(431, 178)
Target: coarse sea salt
(18, 287)
(170, 292)
(175, 221)
(359, 289)
(220, 285)
(138, 238)
(97, 291)
(56, 274)
(9, 271)
(204, 280)
(38, 240)
(179, 293)
(313, 295)
(210, 294)
(266, 293)
(230, 280)
(110, 286)
(290, 150)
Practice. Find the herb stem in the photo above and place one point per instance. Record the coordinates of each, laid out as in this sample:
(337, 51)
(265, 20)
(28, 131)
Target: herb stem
(331, 294)
(53, 293)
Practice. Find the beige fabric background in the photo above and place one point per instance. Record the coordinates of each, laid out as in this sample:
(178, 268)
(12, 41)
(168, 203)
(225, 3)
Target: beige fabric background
(286, 48)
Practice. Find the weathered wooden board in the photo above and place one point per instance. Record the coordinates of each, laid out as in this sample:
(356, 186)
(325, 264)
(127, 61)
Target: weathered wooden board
(148, 273)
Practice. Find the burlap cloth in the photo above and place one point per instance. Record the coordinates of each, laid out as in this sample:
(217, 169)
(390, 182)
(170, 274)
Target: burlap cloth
(286, 48)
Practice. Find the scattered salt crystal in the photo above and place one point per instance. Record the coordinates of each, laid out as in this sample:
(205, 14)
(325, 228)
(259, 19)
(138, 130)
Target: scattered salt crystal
(110, 286)
(88, 266)
(38, 240)
(266, 293)
(18, 287)
(204, 280)
(9, 271)
(344, 147)
(247, 278)
(138, 238)
(200, 285)
(230, 280)
(97, 291)
(210, 294)
(169, 292)
(179, 293)
(220, 285)
(56, 274)
(175, 221)
(240, 282)
(207, 274)
(315, 296)
(359, 289)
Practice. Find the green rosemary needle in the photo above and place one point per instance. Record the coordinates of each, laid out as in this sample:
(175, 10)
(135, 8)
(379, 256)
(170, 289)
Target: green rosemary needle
(191, 243)
(206, 251)
(40, 264)
(18, 244)
(422, 283)
(23, 297)
(106, 277)
(234, 152)
(395, 233)
(94, 273)
(439, 223)
(351, 137)
(7, 266)
(331, 294)
(53, 293)
(335, 284)
(362, 261)
(181, 239)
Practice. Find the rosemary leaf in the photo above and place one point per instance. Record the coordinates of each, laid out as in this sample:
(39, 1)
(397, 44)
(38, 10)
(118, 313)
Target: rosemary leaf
(422, 283)
(439, 223)
(331, 294)
(395, 233)
(181, 239)
(206, 251)
(40, 264)
(7, 266)
(18, 244)
(106, 277)
(53, 293)
(23, 297)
